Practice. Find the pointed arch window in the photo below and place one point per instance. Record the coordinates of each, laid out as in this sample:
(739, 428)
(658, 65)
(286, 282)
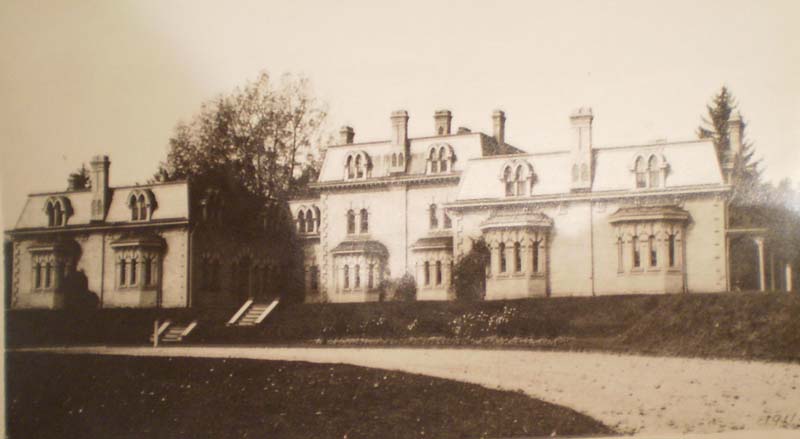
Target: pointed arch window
(434, 162)
(637, 255)
(438, 272)
(518, 177)
(442, 160)
(427, 273)
(142, 203)
(517, 257)
(536, 264)
(520, 181)
(57, 210)
(641, 173)
(671, 247)
(346, 275)
(301, 222)
(509, 182)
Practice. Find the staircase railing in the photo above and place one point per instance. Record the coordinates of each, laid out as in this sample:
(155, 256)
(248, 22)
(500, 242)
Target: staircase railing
(266, 311)
(239, 313)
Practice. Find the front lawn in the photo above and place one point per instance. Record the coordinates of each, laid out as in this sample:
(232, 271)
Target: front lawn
(86, 396)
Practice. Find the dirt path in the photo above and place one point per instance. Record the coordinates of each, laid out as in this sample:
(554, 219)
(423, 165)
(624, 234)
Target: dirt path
(629, 393)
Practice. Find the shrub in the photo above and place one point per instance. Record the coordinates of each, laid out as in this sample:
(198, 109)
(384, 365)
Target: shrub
(469, 274)
(406, 289)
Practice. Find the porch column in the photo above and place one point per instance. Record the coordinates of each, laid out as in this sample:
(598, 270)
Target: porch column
(762, 281)
(772, 271)
(788, 277)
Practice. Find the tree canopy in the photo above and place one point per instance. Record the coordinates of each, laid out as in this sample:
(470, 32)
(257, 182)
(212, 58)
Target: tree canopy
(263, 140)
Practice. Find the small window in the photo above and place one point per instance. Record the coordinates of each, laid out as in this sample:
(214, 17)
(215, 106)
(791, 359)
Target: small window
(351, 222)
(671, 246)
(509, 182)
(442, 160)
(349, 168)
(517, 257)
(641, 173)
(651, 242)
(520, 182)
(620, 256)
(123, 272)
(434, 162)
(359, 167)
(357, 275)
(37, 275)
(142, 207)
(48, 275)
(438, 272)
(502, 251)
(346, 274)
(371, 276)
(653, 170)
(637, 257)
(132, 280)
(364, 221)
(433, 219)
(427, 273)
(301, 222)
(148, 271)
(536, 256)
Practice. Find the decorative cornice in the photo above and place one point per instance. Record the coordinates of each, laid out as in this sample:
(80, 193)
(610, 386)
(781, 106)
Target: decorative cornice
(389, 181)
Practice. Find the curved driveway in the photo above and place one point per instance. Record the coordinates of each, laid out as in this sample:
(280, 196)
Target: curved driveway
(629, 393)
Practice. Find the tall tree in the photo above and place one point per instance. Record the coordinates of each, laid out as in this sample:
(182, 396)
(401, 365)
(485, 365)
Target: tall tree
(715, 126)
(260, 139)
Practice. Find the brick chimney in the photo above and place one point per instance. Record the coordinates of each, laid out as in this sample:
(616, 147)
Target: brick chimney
(399, 128)
(346, 135)
(499, 125)
(442, 120)
(735, 129)
(582, 166)
(100, 192)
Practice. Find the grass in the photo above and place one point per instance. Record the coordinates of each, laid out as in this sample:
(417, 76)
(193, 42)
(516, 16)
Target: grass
(733, 325)
(125, 397)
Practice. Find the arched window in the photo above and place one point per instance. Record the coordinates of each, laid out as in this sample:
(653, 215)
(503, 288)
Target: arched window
(51, 217)
(520, 181)
(637, 256)
(517, 257)
(123, 272)
(142, 207)
(448, 223)
(536, 256)
(364, 221)
(641, 173)
(133, 204)
(652, 168)
(371, 276)
(671, 247)
(620, 256)
(434, 162)
(651, 244)
(351, 222)
(502, 251)
(37, 275)
(349, 167)
(433, 219)
(301, 222)
(357, 274)
(47, 275)
(134, 264)
(310, 221)
(427, 273)
(438, 272)
(509, 182)
(59, 214)
(346, 274)
(442, 160)
(359, 167)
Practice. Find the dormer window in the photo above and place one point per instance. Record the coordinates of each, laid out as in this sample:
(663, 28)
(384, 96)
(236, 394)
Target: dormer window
(518, 178)
(142, 204)
(357, 166)
(57, 210)
(440, 158)
(649, 171)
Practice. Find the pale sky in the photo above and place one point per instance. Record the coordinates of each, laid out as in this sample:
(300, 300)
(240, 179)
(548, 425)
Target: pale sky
(82, 78)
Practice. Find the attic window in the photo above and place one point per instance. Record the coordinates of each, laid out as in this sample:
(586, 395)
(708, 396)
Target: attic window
(649, 171)
(142, 204)
(518, 178)
(440, 158)
(357, 166)
(57, 210)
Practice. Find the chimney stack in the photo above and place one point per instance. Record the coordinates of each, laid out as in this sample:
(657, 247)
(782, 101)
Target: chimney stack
(399, 128)
(72, 182)
(346, 135)
(735, 129)
(442, 120)
(499, 119)
(582, 165)
(100, 192)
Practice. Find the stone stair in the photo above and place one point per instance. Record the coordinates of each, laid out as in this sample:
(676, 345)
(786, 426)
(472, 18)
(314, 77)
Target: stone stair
(253, 313)
(175, 333)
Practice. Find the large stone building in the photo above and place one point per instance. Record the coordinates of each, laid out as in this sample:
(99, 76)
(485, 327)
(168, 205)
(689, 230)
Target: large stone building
(583, 220)
(149, 245)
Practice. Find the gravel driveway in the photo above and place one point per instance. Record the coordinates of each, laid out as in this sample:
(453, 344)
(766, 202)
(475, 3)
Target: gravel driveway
(629, 393)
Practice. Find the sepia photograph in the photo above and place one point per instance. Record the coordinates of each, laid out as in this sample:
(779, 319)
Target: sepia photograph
(400, 219)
